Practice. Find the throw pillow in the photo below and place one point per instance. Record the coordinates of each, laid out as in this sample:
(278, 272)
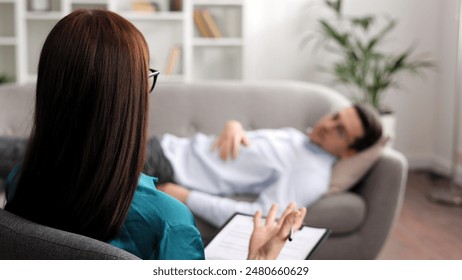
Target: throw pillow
(347, 172)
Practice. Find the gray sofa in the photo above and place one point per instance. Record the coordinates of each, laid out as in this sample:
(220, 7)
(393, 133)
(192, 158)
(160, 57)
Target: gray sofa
(360, 219)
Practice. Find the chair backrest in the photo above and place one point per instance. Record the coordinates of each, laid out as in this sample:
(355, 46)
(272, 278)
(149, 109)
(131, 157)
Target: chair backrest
(22, 239)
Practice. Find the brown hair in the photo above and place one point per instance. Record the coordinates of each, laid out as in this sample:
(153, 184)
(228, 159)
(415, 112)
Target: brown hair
(88, 140)
(372, 126)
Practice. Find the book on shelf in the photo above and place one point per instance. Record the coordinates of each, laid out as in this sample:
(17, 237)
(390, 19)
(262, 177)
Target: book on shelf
(145, 6)
(200, 24)
(173, 60)
(211, 24)
(232, 241)
(206, 24)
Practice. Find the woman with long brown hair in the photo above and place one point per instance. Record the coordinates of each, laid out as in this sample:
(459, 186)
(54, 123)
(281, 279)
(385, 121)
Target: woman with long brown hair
(82, 168)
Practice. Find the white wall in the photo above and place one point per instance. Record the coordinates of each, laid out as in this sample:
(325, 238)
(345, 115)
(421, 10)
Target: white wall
(423, 105)
(444, 101)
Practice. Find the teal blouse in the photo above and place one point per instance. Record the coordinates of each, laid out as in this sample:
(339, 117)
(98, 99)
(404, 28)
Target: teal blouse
(157, 225)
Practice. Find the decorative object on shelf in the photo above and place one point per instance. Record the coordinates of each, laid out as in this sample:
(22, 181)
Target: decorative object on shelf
(362, 66)
(173, 60)
(206, 24)
(145, 6)
(39, 5)
(176, 5)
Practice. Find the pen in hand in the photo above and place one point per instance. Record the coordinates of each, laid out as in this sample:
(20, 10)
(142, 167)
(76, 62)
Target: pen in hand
(291, 233)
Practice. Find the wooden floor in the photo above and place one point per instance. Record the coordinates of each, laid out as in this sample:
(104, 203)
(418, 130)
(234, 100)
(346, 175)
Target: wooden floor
(425, 230)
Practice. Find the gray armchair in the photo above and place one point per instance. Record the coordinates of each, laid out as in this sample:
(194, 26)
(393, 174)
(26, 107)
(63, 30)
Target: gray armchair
(21, 239)
(360, 219)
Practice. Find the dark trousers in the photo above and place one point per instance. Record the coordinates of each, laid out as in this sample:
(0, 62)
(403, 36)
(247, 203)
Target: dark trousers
(157, 165)
(12, 152)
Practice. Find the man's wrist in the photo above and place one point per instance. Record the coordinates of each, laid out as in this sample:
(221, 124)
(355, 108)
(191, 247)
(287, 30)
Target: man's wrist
(186, 196)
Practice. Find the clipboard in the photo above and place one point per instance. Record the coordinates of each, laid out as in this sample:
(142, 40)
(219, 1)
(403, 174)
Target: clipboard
(232, 241)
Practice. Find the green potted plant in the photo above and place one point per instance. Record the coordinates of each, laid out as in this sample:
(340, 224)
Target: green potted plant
(4, 78)
(360, 65)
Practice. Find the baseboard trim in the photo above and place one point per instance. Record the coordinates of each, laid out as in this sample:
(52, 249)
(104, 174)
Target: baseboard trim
(435, 163)
(420, 161)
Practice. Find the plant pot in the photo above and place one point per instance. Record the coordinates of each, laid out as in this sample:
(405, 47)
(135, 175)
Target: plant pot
(389, 127)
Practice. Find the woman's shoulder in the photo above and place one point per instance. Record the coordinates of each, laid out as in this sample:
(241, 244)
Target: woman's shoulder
(154, 221)
(158, 206)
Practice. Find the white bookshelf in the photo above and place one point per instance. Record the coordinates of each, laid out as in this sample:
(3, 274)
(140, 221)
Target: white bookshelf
(168, 16)
(219, 3)
(218, 42)
(53, 15)
(8, 39)
(218, 58)
(91, 2)
(22, 33)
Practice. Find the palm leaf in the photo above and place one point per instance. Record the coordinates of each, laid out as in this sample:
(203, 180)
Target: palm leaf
(399, 62)
(330, 32)
(382, 33)
(363, 22)
(335, 5)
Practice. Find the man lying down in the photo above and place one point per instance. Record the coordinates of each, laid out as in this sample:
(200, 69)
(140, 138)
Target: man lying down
(278, 165)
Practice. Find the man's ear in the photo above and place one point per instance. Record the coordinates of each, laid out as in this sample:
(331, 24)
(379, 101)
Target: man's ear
(349, 152)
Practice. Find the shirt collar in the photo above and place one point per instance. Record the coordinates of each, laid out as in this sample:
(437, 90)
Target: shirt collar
(315, 148)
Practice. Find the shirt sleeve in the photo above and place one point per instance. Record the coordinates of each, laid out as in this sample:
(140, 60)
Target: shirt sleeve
(293, 188)
(181, 242)
(217, 210)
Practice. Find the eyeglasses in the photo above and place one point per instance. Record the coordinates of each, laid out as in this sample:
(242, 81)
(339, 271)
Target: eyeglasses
(153, 74)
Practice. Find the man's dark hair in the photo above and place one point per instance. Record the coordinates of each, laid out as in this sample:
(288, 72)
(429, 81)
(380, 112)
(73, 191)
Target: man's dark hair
(372, 125)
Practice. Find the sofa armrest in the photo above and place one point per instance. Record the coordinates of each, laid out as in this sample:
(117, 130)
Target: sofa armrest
(383, 191)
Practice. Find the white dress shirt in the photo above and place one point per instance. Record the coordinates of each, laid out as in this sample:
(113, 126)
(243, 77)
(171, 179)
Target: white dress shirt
(279, 165)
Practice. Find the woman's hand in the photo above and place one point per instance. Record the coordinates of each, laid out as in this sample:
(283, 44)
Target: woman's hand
(267, 240)
(230, 139)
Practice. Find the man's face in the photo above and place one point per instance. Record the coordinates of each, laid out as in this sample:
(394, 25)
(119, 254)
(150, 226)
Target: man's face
(335, 133)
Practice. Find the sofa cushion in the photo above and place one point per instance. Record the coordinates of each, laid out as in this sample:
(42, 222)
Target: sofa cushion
(342, 213)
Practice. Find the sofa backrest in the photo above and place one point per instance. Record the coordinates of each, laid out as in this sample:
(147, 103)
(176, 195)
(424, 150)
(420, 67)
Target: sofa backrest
(16, 109)
(186, 108)
(21, 239)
